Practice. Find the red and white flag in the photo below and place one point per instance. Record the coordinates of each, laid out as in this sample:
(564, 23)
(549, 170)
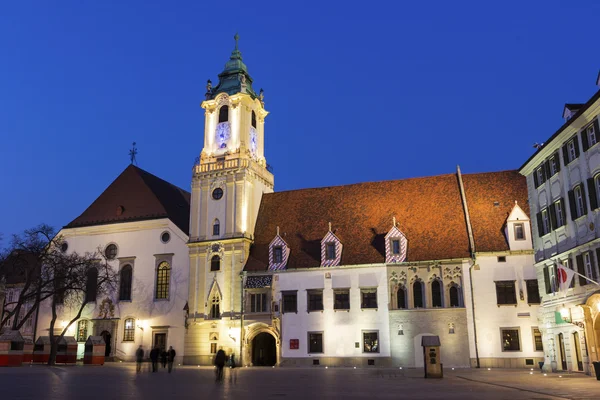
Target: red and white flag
(564, 278)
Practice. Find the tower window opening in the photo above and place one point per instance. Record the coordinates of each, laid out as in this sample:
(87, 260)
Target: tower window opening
(224, 114)
(253, 119)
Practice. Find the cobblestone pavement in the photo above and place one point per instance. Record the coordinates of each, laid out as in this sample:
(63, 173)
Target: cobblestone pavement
(119, 381)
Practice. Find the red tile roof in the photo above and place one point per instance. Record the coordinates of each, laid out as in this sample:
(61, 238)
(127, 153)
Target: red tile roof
(137, 195)
(428, 210)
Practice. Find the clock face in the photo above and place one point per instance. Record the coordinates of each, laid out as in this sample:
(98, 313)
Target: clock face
(253, 139)
(222, 133)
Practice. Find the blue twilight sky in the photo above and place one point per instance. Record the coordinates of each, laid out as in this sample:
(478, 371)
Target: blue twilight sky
(357, 91)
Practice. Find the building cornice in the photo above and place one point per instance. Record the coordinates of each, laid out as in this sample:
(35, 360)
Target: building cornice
(120, 227)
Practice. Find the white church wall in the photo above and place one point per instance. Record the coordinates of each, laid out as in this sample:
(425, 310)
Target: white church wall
(139, 244)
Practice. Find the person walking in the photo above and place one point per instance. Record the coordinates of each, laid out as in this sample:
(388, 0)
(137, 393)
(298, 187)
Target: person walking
(163, 358)
(220, 363)
(171, 357)
(139, 357)
(233, 372)
(154, 358)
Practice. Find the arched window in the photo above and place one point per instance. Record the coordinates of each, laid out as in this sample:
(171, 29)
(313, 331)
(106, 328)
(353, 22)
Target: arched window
(215, 312)
(163, 276)
(129, 330)
(215, 263)
(436, 293)
(82, 329)
(216, 228)
(125, 282)
(91, 286)
(401, 297)
(253, 119)
(418, 294)
(224, 114)
(454, 296)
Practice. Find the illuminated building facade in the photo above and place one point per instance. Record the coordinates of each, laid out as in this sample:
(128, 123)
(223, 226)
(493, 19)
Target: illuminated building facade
(563, 181)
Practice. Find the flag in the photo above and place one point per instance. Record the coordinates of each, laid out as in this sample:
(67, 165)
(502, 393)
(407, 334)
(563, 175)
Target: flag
(564, 278)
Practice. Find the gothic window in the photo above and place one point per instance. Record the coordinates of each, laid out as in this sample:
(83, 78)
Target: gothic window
(82, 329)
(215, 312)
(163, 277)
(129, 330)
(401, 298)
(224, 114)
(454, 296)
(215, 263)
(216, 228)
(253, 119)
(125, 282)
(418, 295)
(91, 286)
(436, 293)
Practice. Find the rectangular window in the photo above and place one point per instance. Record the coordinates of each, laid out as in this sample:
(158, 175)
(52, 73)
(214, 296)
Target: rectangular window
(505, 292)
(341, 299)
(579, 204)
(277, 254)
(395, 246)
(545, 221)
(501, 258)
(537, 339)
(553, 165)
(533, 292)
(258, 302)
(368, 298)
(591, 134)
(558, 207)
(371, 342)
(510, 339)
(129, 332)
(290, 304)
(213, 348)
(315, 300)
(519, 231)
(589, 266)
(571, 150)
(216, 229)
(315, 342)
(330, 251)
(540, 175)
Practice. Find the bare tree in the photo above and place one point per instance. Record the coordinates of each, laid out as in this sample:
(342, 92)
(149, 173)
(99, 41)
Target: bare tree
(51, 274)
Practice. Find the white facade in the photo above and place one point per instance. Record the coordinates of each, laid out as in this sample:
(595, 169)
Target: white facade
(563, 185)
(141, 246)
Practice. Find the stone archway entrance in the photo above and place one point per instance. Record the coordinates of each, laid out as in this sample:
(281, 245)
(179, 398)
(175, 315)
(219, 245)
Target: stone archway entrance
(108, 340)
(264, 350)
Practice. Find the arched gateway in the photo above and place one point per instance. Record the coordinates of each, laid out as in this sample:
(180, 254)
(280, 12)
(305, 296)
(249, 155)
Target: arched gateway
(264, 350)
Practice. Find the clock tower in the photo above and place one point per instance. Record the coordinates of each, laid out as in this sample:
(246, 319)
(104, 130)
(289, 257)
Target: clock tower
(227, 186)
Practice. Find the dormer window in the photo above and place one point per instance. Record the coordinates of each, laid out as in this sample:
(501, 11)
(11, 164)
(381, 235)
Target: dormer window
(395, 245)
(331, 249)
(519, 231)
(224, 114)
(279, 253)
(330, 253)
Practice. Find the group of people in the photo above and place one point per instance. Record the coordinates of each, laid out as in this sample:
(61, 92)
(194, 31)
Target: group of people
(167, 357)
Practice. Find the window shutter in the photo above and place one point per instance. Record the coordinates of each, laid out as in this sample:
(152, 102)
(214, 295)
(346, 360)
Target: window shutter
(547, 173)
(595, 264)
(540, 225)
(576, 144)
(592, 194)
(563, 211)
(547, 280)
(553, 215)
(536, 183)
(565, 155)
(581, 270)
(557, 158)
(572, 205)
(596, 130)
(585, 209)
(584, 140)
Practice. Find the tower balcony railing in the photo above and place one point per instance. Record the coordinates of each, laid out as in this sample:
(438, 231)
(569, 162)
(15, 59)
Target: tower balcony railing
(235, 163)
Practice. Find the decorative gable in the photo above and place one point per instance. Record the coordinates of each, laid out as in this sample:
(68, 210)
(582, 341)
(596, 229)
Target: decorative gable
(518, 226)
(331, 250)
(279, 252)
(395, 245)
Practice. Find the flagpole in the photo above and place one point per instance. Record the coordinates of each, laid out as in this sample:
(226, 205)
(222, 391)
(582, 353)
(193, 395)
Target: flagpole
(577, 273)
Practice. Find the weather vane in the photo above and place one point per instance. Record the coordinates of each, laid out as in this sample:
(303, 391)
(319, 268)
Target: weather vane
(132, 154)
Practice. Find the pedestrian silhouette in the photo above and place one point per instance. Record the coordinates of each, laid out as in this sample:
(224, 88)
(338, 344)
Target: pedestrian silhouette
(154, 358)
(171, 357)
(139, 357)
(220, 363)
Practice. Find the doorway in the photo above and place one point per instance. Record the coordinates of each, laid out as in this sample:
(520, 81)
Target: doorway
(108, 341)
(264, 350)
(160, 341)
(561, 347)
(578, 351)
